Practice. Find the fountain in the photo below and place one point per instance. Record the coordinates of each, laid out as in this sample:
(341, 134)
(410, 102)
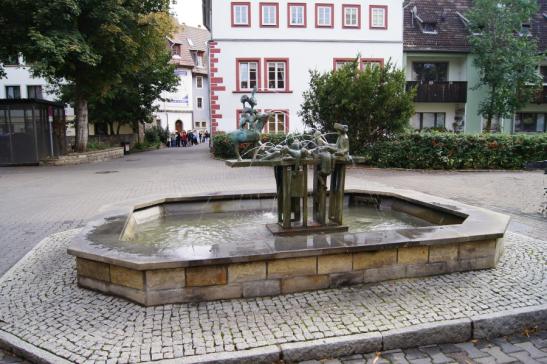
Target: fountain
(198, 248)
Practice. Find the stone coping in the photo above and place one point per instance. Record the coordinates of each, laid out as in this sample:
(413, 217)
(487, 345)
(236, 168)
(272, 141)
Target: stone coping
(479, 224)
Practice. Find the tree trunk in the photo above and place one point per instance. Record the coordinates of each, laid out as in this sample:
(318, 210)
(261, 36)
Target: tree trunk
(110, 128)
(81, 124)
(490, 112)
(118, 128)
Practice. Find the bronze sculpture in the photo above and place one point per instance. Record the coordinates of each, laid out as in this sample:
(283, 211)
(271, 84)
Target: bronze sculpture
(251, 124)
(290, 160)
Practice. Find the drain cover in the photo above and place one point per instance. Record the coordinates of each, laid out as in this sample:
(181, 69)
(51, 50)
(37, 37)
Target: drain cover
(132, 160)
(106, 172)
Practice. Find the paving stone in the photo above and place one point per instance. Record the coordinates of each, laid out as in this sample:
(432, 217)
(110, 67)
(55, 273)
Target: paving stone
(40, 302)
(498, 355)
(471, 350)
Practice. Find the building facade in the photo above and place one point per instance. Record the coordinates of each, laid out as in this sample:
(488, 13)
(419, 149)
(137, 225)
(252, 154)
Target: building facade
(188, 106)
(439, 63)
(273, 45)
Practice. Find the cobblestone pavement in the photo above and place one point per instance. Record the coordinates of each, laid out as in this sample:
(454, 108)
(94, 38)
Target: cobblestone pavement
(41, 304)
(530, 349)
(39, 201)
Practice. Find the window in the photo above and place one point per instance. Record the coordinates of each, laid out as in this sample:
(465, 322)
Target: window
(543, 72)
(277, 122)
(378, 17)
(199, 81)
(269, 15)
(276, 74)
(429, 28)
(371, 62)
(296, 15)
(247, 74)
(338, 63)
(427, 120)
(175, 50)
(34, 92)
(12, 60)
(530, 123)
(13, 92)
(198, 58)
(199, 102)
(241, 14)
(324, 15)
(351, 16)
(430, 72)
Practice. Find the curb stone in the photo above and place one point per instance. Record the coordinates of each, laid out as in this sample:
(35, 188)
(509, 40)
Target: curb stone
(332, 347)
(441, 332)
(28, 351)
(265, 354)
(509, 322)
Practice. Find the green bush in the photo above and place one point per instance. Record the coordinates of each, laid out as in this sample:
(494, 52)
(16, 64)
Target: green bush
(456, 151)
(224, 148)
(91, 146)
(156, 134)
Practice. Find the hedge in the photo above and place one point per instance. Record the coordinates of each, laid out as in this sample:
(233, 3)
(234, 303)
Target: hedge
(224, 148)
(456, 151)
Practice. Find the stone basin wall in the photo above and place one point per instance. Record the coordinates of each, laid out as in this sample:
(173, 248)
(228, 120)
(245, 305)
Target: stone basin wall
(283, 276)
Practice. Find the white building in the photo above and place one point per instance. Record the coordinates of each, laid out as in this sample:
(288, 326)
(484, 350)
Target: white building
(20, 84)
(273, 46)
(188, 106)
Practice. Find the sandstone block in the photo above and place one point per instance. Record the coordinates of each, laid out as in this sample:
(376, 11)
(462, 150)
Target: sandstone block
(334, 263)
(345, 279)
(206, 276)
(292, 267)
(304, 283)
(245, 272)
(478, 249)
(92, 269)
(427, 269)
(165, 278)
(127, 277)
(443, 253)
(262, 288)
(198, 294)
(384, 273)
(413, 255)
(374, 259)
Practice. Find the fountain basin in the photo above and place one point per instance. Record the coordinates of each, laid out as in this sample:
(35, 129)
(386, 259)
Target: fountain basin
(118, 252)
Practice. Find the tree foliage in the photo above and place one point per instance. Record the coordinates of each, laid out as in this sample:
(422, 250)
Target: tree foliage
(87, 44)
(505, 54)
(133, 100)
(373, 102)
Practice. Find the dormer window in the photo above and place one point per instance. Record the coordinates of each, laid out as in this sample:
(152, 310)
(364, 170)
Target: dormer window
(429, 28)
(525, 30)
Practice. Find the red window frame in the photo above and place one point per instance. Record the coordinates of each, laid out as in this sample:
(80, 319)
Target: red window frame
(276, 25)
(321, 5)
(266, 74)
(364, 61)
(370, 16)
(336, 60)
(351, 6)
(287, 124)
(232, 14)
(258, 73)
(304, 5)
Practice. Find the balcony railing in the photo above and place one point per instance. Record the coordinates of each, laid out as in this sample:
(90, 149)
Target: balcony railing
(455, 91)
